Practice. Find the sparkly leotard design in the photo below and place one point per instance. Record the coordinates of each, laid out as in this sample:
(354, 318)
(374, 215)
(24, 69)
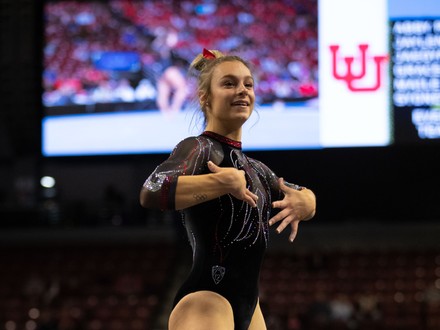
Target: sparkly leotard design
(228, 237)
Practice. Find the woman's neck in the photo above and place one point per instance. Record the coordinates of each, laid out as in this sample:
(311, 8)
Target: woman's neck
(230, 133)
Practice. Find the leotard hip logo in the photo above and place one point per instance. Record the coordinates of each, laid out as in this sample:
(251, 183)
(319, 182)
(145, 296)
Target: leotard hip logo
(218, 272)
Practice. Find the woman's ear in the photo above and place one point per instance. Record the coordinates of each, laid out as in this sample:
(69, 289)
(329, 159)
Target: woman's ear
(203, 99)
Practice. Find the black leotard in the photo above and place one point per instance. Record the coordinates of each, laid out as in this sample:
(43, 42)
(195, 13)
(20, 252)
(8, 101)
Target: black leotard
(228, 237)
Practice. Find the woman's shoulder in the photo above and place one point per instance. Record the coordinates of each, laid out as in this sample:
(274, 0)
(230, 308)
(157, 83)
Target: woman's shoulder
(196, 143)
(258, 164)
(254, 161)
(199, 140)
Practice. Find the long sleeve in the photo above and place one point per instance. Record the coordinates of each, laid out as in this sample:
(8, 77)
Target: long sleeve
(189, 157)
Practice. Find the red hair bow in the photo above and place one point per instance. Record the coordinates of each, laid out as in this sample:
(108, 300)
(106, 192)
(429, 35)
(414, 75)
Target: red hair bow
(207, 54)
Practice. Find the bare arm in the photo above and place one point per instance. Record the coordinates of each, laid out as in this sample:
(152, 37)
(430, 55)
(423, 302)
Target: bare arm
(195, 189)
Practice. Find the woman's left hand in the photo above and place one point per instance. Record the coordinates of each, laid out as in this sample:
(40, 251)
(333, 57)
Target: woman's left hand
(296, 206)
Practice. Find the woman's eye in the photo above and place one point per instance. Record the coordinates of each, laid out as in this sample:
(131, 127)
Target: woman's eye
(249, 85)
(229, 83)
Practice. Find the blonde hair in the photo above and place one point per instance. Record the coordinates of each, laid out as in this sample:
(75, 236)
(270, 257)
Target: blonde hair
(202, 68)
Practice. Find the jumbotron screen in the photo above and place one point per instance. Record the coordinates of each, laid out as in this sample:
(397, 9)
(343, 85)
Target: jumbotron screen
(329, 73)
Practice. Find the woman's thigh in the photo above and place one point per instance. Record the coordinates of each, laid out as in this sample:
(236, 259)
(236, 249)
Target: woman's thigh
(202, 310)
(257, 322)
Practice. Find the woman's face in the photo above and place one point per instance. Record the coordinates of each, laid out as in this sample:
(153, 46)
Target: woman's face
(232, 96)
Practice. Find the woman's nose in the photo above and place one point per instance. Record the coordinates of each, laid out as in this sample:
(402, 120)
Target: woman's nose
(242, 90)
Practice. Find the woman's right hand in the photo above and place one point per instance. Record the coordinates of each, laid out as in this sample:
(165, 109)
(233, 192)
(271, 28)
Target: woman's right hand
(234, 182)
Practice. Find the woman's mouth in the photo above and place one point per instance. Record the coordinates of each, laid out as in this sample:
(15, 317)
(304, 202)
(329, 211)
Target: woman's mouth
(240, 103)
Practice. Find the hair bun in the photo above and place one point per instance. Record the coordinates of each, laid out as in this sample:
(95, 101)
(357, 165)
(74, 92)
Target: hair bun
(201, 60)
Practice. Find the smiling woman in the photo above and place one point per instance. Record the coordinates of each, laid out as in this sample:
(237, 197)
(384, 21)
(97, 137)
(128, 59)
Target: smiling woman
(227, 200)
(230, 100)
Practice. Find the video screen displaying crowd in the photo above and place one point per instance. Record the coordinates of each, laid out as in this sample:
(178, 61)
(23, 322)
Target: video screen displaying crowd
(278, 37)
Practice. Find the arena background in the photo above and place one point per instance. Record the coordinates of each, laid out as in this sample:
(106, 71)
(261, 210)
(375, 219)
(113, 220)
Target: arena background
(84, 255)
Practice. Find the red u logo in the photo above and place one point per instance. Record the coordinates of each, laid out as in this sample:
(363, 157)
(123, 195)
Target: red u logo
(350, 77)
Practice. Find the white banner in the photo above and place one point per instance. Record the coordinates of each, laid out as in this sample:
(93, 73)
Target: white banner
(354, 86)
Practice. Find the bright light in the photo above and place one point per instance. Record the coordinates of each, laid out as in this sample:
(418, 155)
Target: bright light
(47, 182)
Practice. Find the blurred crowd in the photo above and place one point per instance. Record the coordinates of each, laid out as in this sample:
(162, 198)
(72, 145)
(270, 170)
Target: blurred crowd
(278, 37)
(115, 286)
